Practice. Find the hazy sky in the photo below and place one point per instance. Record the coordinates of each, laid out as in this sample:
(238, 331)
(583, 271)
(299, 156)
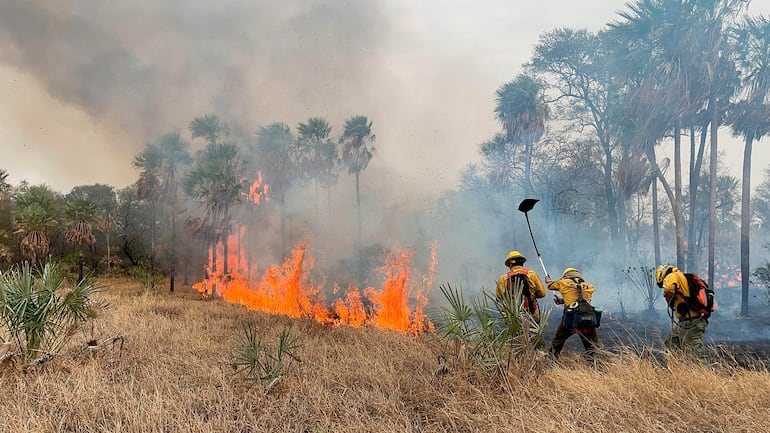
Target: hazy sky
(86, 84)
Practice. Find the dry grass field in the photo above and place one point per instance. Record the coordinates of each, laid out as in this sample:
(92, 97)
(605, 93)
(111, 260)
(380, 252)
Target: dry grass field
(163, 365)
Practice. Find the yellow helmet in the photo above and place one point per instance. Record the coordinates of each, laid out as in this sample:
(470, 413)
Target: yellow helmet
(514, 256)
(569, 270)
(662, 271)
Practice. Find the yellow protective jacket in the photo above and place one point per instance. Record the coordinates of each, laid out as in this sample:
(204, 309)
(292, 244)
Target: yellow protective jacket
(675, 290)
(536, 288)
(567, 286)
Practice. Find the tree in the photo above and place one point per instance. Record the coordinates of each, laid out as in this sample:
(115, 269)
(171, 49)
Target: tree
(214, 181)
(5, 188)
(148, 190)
(750, 119)
(316, 153)
(173, 155)
(80, 215)
(34, 216)
(275, 144)
(678, 47)
(521, 108)
(579, 64)
(105, 199)
(357, 142)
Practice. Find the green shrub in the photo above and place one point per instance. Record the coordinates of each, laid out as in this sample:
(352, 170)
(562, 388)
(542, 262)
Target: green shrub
(497, 335)
(39, 311)
(257, 363)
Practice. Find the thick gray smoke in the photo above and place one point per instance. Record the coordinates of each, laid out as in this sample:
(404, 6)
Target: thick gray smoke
(147, 66)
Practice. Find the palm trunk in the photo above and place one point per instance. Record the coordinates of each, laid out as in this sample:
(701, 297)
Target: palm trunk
(283, 227)
(712, 186)
(745, 225)
(214, 276)
(329, 204)
(655, 220)
(612, 198)
(152, 246)
(358, 206)
(226, 242)
(109, 259)
(696, 163)
(650, 152)
(80, 266)
(172, 265)
(678, 211)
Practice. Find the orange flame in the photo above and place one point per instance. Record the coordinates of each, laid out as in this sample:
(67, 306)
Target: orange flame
(258, 190)
(286, 289)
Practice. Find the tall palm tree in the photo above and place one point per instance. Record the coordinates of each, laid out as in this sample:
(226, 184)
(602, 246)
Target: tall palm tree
(521, 108)
(328, 165)
(80, 214)
(148, 189)
(674, 50)
(276, 147)
(312, 137)
(357, 142)
(211, 127)
(750, 118)
(214, 181)
(173, 156)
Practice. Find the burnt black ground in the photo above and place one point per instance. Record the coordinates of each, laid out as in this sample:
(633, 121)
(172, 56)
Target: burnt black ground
(742, 342)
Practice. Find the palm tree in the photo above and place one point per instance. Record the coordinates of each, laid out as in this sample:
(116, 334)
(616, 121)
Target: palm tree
(210, 127)
(214, 181)
(5, 188)
(80, 214)
(676, 44)
(750, 118)
(148, 190)
(275, 144)
(521, 108)
(357, 142)
(32, 223)
(34, 214)
(328, 164)
(312, 141)
(173, 154)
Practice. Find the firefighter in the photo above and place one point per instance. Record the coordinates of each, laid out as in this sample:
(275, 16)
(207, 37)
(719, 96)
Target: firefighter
(687, 333)
(517, 272)
(567, 286)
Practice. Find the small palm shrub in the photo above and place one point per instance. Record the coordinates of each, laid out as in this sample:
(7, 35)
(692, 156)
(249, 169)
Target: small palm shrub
(496, 334)
(38, 311)
(258, 363)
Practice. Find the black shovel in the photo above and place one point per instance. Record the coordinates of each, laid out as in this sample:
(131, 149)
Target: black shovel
(525, 206)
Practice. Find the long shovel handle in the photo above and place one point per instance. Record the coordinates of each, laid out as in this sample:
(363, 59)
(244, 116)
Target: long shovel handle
(545, 271)
(543, 265)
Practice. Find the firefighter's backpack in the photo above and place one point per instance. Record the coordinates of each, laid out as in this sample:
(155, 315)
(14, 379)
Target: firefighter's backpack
(701, 299)
(581, 315)
(520, 280)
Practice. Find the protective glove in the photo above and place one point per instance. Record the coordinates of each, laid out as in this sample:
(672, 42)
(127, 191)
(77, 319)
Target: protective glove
(548, 280)
(557, 300)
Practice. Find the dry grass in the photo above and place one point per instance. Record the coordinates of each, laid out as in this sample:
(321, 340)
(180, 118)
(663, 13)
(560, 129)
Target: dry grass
(173, 375)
